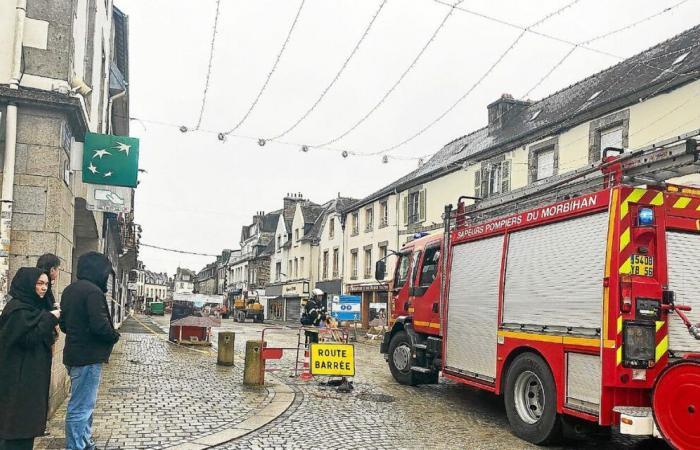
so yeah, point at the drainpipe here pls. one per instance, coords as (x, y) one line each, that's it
(110, 105)
(8, 178)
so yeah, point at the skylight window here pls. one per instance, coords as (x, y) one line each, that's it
(536, 113)
(596, 94)
(680, 58)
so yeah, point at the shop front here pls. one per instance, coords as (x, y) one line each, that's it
(375, 303)
(295, 294)
(332, 288)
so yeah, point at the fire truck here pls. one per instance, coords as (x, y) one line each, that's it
(569, 297)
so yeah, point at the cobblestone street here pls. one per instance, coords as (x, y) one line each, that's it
(158, 395)
(382, 414)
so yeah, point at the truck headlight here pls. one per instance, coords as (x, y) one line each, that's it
(638, 344)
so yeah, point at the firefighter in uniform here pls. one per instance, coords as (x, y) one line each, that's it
(314, 313)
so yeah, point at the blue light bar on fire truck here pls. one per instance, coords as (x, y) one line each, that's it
(645, 218)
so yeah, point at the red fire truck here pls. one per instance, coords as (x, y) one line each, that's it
(568, 297)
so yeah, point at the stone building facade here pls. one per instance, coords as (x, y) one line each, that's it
(59, 65)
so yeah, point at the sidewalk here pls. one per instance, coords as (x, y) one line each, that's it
(157, 395)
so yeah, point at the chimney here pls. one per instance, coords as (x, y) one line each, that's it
(289, 204)
(501, 108)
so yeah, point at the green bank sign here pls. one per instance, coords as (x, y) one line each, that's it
(110, 160)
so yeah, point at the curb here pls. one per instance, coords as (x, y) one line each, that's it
(281, 401)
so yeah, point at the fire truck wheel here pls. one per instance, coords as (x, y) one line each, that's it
(400, 359)
(531, 400)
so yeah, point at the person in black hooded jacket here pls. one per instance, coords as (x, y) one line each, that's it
(27, 332)
(90, 336)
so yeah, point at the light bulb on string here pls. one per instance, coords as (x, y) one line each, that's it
(183, 129)
(345, 153)
(262, 142)
(305, 148)
(221, 137)
(385, 159)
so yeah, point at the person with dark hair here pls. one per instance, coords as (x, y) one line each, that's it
(90, 336)
(50, 263)
(27, 332)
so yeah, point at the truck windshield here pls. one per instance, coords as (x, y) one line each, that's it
(402, 270)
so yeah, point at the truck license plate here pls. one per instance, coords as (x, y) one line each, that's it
(642, 265)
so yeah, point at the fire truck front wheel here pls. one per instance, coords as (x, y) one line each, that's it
(531, 400)
(400, 359)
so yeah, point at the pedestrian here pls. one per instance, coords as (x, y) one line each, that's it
(313, 314)
(50, 263)
(90, 336)
(27, 332)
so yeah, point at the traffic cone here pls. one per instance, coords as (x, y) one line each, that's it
(306, 373)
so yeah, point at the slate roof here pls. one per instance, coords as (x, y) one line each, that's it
(648, 73)
(335, 205)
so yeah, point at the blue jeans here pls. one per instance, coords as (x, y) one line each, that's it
(84, 382)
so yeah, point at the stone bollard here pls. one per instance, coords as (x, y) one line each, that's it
(254, 371)
(226, 341)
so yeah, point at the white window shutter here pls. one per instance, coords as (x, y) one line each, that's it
(405, 210)
(505, 176)
(421, 204)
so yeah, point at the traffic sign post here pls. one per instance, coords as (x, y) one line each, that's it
(348, 309)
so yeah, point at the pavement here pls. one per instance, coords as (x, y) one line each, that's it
(158, 395)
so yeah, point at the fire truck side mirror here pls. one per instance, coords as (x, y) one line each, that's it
(380, 270)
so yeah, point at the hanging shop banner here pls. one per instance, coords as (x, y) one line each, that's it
(113, 199)
(335, 360)
(110, 160)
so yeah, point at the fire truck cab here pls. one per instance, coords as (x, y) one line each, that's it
(574, 308)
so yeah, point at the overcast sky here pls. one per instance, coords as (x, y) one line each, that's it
(198, 192)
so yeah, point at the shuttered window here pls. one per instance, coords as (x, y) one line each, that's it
(545, 164)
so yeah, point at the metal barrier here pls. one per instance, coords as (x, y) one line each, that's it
(276, 353)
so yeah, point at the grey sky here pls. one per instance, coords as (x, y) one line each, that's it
(198, 192)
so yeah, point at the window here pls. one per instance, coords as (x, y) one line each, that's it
(368, 262)
(279, 243)
(382, 251)
(296, 235)
(301, 266)
(325, 265)
(383, 214)
(413, 207)
(369, 219)
(355, 223)
(296, 268)
(612, 137)
(430, 266)
(278, 271)
(353, 264)
(331, 228)
(401, 270)
(336, 256)
(414, 267)
(609, 131)
(493, 178)
(289, 269)
(545, 164)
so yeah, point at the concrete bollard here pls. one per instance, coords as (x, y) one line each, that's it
(254, 370)
(226, 341)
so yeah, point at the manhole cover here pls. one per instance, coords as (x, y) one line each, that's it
(377, 398)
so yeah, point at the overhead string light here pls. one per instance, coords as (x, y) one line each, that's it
(478, 82)
(209, 66)
(398, 81)
(336, 77)
(527, 29)
(269, 76)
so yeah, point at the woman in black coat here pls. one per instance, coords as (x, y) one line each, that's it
(27, 332)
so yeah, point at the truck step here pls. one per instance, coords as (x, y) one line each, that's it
(420, 369)
(634, 411)
(420, 346)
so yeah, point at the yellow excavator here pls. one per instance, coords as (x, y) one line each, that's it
(247, 308)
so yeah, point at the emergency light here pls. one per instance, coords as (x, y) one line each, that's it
(645, 217)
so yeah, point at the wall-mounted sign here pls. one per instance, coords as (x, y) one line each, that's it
(112, 199)
(110, 160)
